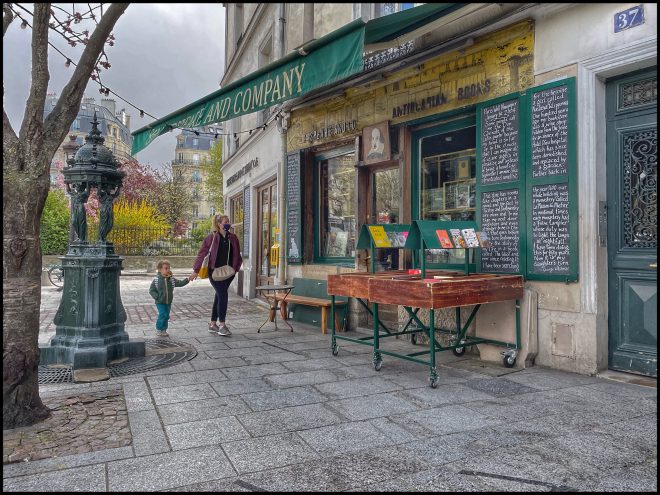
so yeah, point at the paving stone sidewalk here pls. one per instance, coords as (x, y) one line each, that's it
(275, 411)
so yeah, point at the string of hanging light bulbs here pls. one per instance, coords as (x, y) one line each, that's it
(105, 90)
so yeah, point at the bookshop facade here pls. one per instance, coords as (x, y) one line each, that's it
(488, 133)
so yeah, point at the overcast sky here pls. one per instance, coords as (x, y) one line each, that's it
(165, 56)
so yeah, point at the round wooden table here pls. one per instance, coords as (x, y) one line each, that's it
(273, 301)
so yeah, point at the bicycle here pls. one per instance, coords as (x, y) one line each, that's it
(56, 275)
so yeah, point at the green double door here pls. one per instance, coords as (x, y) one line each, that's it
(632, 221)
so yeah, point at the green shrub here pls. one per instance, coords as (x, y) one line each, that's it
(135, 226)
(202, 230)
(55, 223)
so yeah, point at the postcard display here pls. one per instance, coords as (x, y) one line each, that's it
(379, 236)
(429, 290)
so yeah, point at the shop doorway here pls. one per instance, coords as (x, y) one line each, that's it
(267, 222)
(632, 140)
(385, 208)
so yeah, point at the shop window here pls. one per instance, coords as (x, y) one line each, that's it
(336, 208)
(236, 215)
(447, 179)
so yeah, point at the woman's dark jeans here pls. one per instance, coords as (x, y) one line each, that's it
(221, 298)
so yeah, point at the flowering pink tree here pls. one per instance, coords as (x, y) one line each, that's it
(140, 182)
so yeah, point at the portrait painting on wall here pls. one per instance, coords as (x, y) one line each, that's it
(376, 143)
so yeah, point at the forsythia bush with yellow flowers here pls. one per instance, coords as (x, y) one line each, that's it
(136, 224)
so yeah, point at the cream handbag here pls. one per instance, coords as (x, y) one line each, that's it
(223, 272)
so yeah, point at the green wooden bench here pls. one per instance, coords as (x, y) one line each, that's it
(307, 299)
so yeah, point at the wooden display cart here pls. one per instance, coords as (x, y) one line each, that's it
(432, 290)
(356, 284)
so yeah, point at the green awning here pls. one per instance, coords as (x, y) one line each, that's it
(334, 57)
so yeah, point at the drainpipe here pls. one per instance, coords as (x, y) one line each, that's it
(281, 169)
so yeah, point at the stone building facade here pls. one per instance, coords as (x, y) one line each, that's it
(115, 127)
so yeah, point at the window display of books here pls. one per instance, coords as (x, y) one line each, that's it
(459, 194)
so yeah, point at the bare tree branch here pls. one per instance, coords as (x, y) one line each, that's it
(32, 127)
(9, 139)
(59, 120)
(7, 17)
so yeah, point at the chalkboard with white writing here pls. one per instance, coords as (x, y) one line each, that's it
(499, 143)
(499, 219)
(293, 210)
(549, 140)
(246, 222)
(550, 229)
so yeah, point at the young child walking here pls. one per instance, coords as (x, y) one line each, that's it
(162, 290)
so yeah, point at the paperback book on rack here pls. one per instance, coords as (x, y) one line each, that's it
(457, 238)
(443, 237)
(470, 237)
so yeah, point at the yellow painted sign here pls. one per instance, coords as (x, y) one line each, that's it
(496, 64)
(380, 237)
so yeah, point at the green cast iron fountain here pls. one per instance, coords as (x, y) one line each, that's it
(90, 319)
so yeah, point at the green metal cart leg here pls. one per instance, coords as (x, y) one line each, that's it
(335, 348)
(458, 351)
(433, 375)
(509, 356)
(377, 360)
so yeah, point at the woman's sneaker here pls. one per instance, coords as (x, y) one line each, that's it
(162, 333)
(213, 327)
(224, 330)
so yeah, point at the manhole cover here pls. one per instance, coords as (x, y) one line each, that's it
(59, 374)
(160, 354)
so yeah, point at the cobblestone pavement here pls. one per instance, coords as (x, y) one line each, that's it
(192, 301)
(78, 423)
(276, 411)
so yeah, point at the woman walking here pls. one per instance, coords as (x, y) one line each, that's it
(223, 249)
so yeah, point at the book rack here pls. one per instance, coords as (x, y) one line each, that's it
(437, 234)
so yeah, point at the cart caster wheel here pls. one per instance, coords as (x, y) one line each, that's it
(509, 362)
(459, 351)
(434, 383)
(335, 350)
(413, 339)
(378, 365)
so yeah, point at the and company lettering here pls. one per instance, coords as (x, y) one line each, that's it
(271, 89)
(327, 62)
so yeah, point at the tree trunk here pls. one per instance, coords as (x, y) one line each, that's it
(22, 196)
